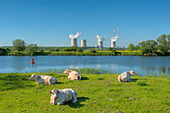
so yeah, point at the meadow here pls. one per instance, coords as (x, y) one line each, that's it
(96, 93)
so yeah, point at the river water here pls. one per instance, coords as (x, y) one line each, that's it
(117, 64)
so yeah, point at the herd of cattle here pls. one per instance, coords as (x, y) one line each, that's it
(59, 96)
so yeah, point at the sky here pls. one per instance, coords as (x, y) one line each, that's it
(49, 22)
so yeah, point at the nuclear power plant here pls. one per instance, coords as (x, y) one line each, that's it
(74, 42)
(113, 41)
(83, 43)
(100, 44)
(74, 38)
(113, 44)
(100, 40)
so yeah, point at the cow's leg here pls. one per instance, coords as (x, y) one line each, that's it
(74, 96)
(60, 102)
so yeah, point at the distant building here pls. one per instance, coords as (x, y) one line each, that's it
(74, 42)
(83, 43)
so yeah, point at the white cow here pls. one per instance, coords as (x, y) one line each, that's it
(73, 75)
(43, 79)
(125, 77)
(59, 96)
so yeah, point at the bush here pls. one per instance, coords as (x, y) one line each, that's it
(92, 51)
(51, 50)
(56, 49)
(2, 51)
(114, 51)
(69, 49)
(110, 49)
(41, 51)
(79, 50)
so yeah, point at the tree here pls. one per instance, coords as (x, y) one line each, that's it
(163, 42)
(18, 45)
(31, 49)
(110, 49)
(114, 51)
(131, 47)
(137, 47)
(2, 51)
(168, 41)
(148, 47)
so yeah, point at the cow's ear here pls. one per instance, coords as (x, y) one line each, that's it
(58, 91)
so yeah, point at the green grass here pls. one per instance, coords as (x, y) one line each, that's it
(96, 93)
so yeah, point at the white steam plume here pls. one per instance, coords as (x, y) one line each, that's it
(114, 38)
(77, 35)
(100, 38)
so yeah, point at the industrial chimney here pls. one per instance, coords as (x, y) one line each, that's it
(83, 43)
(113, 41)
(74, 38)
(100, 40)
(113, 44)
(100, 44)
(73, 42)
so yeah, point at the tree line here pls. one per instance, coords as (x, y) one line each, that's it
(160, 46)
(150, 47)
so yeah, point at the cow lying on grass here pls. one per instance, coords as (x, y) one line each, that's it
(73, 75)
(125, 77)
(59, 96)
(43, 79)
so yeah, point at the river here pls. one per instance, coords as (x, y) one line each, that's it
(117, 64)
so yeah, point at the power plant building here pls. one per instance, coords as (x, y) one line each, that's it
(83, 43)
(113, 44)
(74, 42)
(100, 44)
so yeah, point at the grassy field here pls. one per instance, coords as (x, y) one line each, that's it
(96, 93)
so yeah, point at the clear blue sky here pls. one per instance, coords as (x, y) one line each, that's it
(49, 22)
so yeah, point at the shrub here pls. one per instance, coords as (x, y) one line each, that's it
(114, 51)
(41, 50)
(92, 51)
(110, 49)
(56, 49)
(79, 50)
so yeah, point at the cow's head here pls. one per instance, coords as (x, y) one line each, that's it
(54, 94)
(66, 71)
(33, 77)
(133, 73)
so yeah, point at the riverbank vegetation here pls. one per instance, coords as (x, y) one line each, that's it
(96, 93)
(160, 47)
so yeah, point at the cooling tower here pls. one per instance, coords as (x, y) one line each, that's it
(113, 44)
(74, 42)
(100, 44)
(83, 43)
